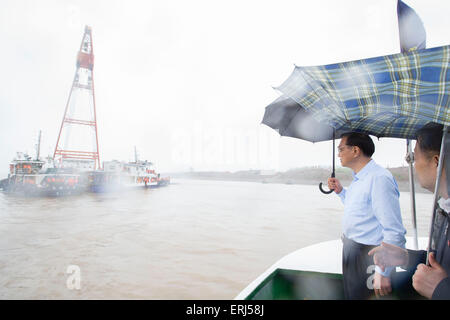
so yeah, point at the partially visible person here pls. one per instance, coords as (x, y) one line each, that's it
(431, 281)
(371, 215)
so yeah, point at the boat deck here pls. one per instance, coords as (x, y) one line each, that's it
(313, 272)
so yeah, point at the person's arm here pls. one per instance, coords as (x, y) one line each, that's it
(388, 255)
(442, 291)
(386, 207)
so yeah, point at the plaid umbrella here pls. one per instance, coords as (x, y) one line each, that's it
(388, 96)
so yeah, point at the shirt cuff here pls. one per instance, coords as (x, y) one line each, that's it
(386, 273)
(342, 194)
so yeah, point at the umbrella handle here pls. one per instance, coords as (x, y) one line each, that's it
(325, 191)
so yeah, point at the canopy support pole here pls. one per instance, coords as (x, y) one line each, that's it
(436, 190)
(410, 160)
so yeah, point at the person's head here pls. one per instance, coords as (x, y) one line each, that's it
(354, 148)
(426, 154)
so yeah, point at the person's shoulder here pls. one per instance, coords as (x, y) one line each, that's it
(379, 171)
(382, 176)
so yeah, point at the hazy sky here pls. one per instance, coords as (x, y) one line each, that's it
(187, 81)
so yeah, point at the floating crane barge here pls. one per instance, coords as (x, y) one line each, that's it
(75, 168)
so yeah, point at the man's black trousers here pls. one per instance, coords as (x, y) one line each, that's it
(357, 268)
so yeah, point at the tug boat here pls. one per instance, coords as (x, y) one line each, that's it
(34, 177)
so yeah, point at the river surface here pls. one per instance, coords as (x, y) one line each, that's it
(194, 239)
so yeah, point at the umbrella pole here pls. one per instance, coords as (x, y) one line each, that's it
(410, 160)
(436, 190)
(333, 174)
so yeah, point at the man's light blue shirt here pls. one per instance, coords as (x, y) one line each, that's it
(372, 209)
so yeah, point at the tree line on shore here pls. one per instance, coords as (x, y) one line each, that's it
(305, 175)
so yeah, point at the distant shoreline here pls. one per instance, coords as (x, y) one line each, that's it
(300, 176)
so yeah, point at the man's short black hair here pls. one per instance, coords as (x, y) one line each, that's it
(360, 140)
(429, 137)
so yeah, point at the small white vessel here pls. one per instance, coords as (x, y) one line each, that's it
(117, 175)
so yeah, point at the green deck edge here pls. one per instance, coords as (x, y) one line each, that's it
(280, 284)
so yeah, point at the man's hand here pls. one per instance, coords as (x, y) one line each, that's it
(389, 255)
(334, 184)
(381, 285)
(426, 279)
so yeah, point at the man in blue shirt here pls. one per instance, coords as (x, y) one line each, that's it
(371, 216)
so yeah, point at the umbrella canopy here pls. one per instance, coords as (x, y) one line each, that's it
(387, 96)
(291, 120)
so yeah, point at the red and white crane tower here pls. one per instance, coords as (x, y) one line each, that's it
(80, 150)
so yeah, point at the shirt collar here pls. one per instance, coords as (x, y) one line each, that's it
(364, 171)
